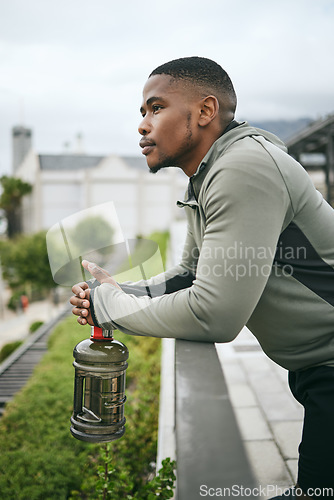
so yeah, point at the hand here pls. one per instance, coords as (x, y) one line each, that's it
(82, 304)
(100, 274)
(82, 292)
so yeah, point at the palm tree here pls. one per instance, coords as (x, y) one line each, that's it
(13, 190)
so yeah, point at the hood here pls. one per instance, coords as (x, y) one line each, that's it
(240, 132)
(217, 149)
(246, 130)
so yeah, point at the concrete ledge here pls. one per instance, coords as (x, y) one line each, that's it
(166, 431)
(209, 446)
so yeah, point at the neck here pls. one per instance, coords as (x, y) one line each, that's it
(189, 168)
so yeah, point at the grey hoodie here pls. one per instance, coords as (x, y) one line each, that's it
(259, 252)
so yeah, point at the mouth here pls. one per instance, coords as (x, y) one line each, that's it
(147, 146)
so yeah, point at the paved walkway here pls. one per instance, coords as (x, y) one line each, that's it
(15, 326)
(269, 418)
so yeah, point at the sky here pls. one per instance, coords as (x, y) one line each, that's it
(78, 66)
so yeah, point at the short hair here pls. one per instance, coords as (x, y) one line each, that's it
(201, 72)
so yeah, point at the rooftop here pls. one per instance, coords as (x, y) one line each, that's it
(313, 138)
(83, 161)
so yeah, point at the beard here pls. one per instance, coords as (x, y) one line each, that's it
(166, 161)
(156, 169)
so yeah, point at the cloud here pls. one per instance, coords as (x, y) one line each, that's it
(80, 65)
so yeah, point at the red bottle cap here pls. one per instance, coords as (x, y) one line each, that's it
(97, 333)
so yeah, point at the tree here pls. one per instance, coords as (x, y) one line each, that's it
(14, 189)
(25, 263)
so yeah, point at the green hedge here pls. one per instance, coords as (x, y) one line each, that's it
(8, 349)
(40, 459)
(35, 326)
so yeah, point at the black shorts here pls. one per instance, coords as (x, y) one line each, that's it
(314, 389)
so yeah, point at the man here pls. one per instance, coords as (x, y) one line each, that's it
(259, 249)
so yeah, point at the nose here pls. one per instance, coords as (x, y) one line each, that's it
(144, 126)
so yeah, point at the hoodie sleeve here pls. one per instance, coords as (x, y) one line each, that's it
(242, 207)
(176, 278)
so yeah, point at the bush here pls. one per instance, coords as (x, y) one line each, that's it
(7, 349)
(162, 239)
(110, 479)
(17, 256)
(35, 326)
(40, 458)
(14, 302)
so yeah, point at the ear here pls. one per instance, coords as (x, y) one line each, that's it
(209, 110)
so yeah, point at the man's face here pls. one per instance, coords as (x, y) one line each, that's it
(169, 126)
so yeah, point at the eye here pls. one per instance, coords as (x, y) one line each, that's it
(156, 107)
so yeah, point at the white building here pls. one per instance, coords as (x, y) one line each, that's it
(64, 184)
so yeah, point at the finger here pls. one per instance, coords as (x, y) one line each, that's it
(78, 311)
(96, 271)
(82, 321)
(78, 302)
(79, 289)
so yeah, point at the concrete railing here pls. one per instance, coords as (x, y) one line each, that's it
(197, 424)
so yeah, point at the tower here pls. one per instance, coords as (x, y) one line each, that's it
(22, 142)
